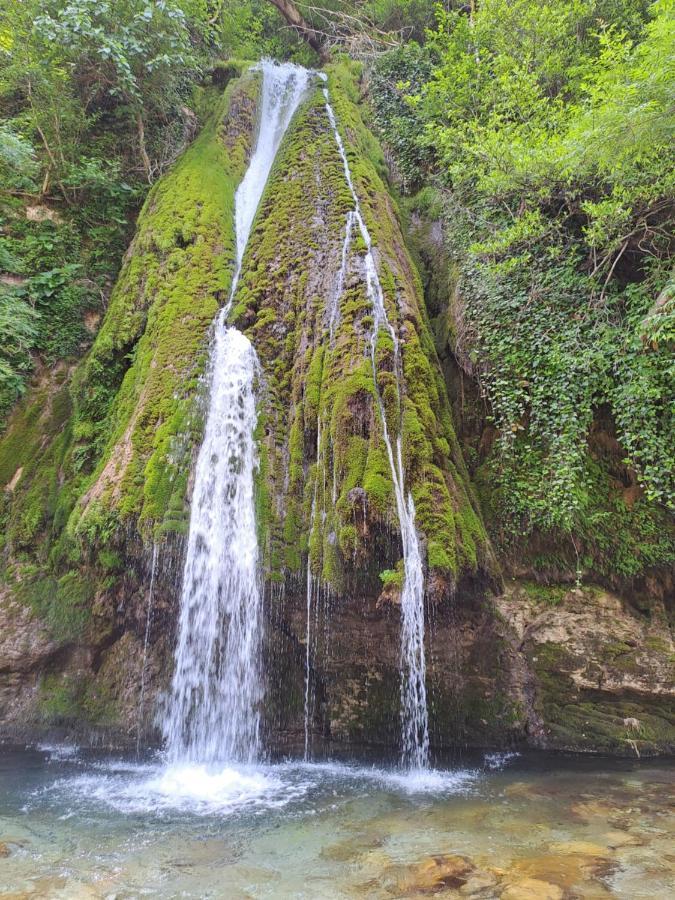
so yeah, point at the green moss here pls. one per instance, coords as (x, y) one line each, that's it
(586, 719)
(550, 595)
(317, 385)
(63, 603)
(71, 699)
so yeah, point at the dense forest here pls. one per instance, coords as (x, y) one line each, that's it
(537, 134)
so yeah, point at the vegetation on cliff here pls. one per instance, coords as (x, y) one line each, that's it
(325, 480)
(108, 444)
(545, 130)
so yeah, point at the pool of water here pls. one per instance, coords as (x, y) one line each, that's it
(78, 825)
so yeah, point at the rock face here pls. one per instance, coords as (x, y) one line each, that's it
(96, 468)
(604, 671)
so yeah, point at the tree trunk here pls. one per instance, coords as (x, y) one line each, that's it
(295, 19)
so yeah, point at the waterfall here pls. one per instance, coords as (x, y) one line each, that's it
(313, 594)
(214, 708)
(414, 712)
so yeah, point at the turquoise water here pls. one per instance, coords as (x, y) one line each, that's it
(77, 825)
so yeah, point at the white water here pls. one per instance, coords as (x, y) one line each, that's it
(334, 311)
(283, 88)
(414, 713)
(313, 596)
(214, 710)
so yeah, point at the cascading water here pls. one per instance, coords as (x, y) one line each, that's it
(216, 690)
(414, 713)
(312, 590)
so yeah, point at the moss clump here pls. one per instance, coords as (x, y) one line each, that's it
(63, 603)
(545, 594)
(73, 700)
(176, 274)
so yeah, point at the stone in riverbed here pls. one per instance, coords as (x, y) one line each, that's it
(617, 839)
(532, 889)
(478, 884)
(580, 848)
(567, 866)
(432, 875)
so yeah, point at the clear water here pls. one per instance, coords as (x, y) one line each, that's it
(414, 712)
(79, 826)
(214, 707)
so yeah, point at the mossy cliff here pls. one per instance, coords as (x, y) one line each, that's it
(95, 461)
(325, 485)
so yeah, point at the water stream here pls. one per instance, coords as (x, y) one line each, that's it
(77, 825)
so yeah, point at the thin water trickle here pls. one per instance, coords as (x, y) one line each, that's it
(214, 709)
(334, 309)
(414, 712)
(148, 620)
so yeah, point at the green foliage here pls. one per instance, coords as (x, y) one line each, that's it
(18, 335)
(94, 98)
(398, 77)
(392, 577)
(551, 125)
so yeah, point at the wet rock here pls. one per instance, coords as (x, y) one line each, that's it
(617, 839)
(567, 865)
(478, 885)
(433, 875)
(353, 847)
(594, 809)
(532, 889)
(579, 848)
(521, 789)
(4, 850)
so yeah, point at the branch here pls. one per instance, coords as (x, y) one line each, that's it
(295, 19)
(140, 127)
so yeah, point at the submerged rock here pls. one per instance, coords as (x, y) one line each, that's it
(531, 889)
(432, 875)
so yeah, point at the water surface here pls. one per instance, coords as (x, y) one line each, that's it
(83, 825)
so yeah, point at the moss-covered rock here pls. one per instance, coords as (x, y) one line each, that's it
(603, 671)
(326, 485)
